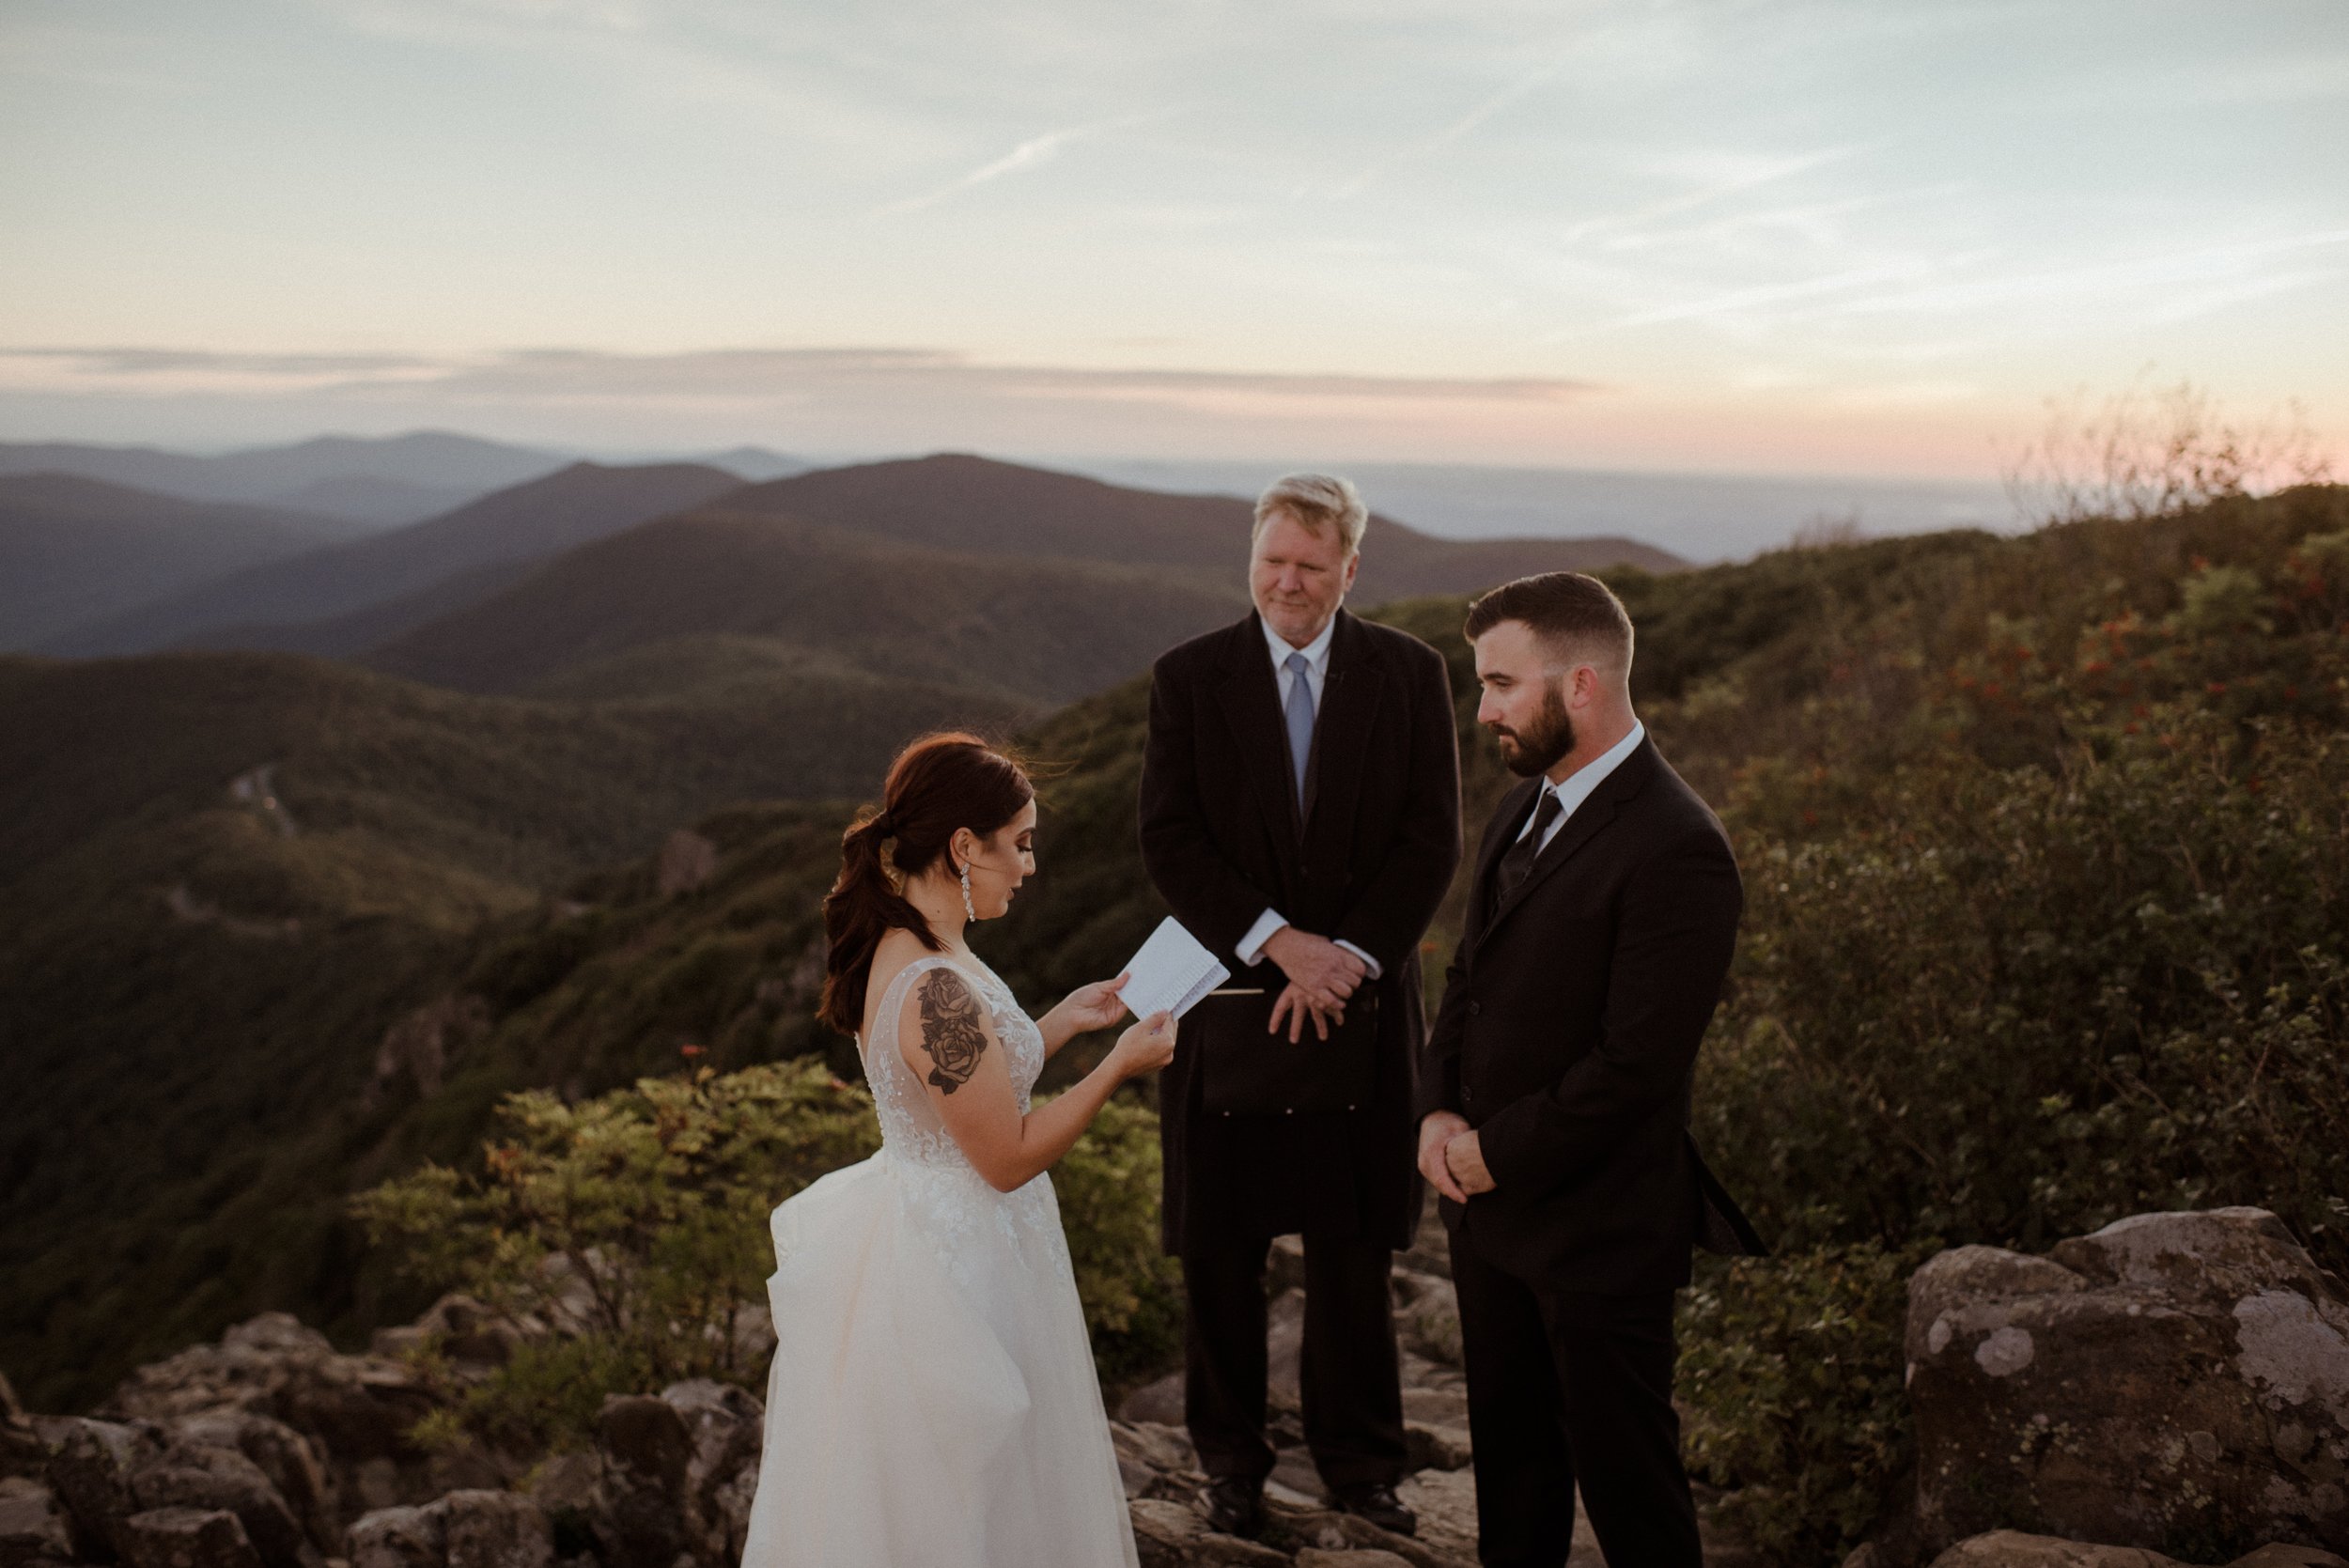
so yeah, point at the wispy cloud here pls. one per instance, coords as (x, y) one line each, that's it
(1032, 153)
(732, 374)
(1718, 176)
(1371, 173)
(2160, 281)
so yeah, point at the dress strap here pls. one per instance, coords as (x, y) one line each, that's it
(892, 1000)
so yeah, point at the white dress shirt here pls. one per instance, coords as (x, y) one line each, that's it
(1580, 786)
(1251, 947)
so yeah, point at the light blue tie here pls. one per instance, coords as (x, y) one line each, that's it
(1300, 721)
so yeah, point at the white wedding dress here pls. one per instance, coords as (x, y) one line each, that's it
(933, 1402)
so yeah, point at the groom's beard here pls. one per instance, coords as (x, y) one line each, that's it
(1548, 737)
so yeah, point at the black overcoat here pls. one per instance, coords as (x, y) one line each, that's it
(1367, 862)
(1568, 1033)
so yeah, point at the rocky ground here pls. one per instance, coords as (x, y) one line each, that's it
(2090, 1396)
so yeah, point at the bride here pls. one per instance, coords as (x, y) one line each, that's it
(933, 1402)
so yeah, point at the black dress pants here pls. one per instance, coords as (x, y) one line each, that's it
(1350, 1380)
(1564, 1388)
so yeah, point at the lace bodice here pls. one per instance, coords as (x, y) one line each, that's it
(909, 1122)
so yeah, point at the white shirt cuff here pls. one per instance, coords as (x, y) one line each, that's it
(1251, 946)
(1370, 963)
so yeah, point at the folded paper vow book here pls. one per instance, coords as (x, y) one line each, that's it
(1170, 972)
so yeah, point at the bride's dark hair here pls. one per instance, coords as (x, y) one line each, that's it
(938, 782)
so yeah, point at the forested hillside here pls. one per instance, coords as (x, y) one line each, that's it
(2045, 853)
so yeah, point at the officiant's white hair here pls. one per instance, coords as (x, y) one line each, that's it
(1318, 502)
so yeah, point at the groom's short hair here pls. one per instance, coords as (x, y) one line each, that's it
(1318, 502)
(1574, 616)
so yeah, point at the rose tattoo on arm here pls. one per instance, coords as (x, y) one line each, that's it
(952, 1034)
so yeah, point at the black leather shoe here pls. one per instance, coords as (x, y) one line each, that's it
(1376, 1501)
(1235, 1506)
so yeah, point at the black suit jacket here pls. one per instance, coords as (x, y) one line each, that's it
(1568, 1036)
(1367, 860)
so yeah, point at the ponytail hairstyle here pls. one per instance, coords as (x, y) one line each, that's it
(939, 784)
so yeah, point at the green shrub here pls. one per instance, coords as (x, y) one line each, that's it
(1791, 1368)
(1108, 1186)
(637, 1221)
(2011, 1006)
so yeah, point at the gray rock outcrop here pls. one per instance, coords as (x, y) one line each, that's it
(34, 1527)
(356, 1411)
(2008, 1548)
(186, 1538)
(2172, 1378)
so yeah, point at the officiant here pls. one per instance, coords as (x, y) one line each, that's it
(1301, 815)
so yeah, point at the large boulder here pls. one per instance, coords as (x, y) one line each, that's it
(2171, 1379)
(1427, 1316)
(400, 1537)
(32, 1524)
(472, 1528)
(2008, 1548)
(356, 1410)
(474, 1339)
(89, 1470)
(1172, 1535)
(725, 1428)
(21, 1451)
(186, 1538)
(291, 1460)
(647, 1452)
(188, 1475)
(486, 1529)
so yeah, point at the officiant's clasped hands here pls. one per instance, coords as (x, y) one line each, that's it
(1321, 976)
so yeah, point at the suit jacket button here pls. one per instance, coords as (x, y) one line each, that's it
(1474, 1008)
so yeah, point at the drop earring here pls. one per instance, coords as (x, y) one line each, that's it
(969, 911)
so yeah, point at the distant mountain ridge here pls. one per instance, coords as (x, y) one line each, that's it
(377, 481)
(432, 459)
(1048, 629)
(487, 596)
(527, 521)
(1042, 584)
(961, 501)
(73, 550)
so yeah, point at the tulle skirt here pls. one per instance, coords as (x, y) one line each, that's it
(933, 1402)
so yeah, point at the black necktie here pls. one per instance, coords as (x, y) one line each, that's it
(1519, 859)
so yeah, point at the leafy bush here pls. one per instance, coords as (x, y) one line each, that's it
(2016, 1005)
(2043, 930)
(1791, 1368)
(1108, 1186)
(635, 1224)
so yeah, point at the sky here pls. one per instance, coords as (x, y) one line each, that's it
(1711, 236)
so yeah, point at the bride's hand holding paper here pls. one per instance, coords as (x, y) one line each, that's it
(1099, 1005)
(1146, 1046)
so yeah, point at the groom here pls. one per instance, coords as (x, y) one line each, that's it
(1555, 1101)
(1300, 813)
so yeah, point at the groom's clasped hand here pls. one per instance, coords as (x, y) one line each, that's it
(1451, 1156)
